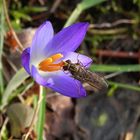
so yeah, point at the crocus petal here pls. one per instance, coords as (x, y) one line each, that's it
(41, 38)
(60, 82)
(67, 86)
(68, 39)
(25, 59)
(78, 58)
(38, 78)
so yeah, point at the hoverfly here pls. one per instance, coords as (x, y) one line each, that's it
(79, 72)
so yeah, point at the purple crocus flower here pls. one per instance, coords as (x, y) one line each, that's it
(47, 52)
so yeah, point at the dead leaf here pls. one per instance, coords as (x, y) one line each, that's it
(20, 117)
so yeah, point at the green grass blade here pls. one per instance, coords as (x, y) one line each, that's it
(1, 46)
(112, 90)
(74, 16)
(41, 117)
(33, 9)
(115, 68)
(85, 4)
(126, 86)
(17, 79)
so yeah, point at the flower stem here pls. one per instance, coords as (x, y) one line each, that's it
(41, 116)
(35, 113)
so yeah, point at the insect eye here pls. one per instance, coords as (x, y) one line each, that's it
(65, 68)
(68, 61)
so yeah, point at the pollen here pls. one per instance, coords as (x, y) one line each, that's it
(48, 63)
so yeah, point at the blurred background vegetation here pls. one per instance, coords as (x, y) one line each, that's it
(112, 41)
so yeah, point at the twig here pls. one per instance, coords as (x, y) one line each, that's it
(108, 31)
(115, 23)
(13, 66)
(112, 75)
(119, 54)
(10, 26)
(55, 6)
(41, 2)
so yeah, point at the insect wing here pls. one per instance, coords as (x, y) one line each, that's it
(96, 81)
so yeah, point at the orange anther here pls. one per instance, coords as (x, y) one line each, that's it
(61, 64)
(56, 57)
(47, 64)
(51, 68)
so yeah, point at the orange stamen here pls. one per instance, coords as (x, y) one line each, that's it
(47, 64)
(56, 57)
(51, 68)
(61, 64)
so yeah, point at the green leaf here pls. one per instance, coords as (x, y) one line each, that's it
(115, 68)
(17, 79)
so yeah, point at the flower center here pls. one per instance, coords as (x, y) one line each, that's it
(48, 63)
